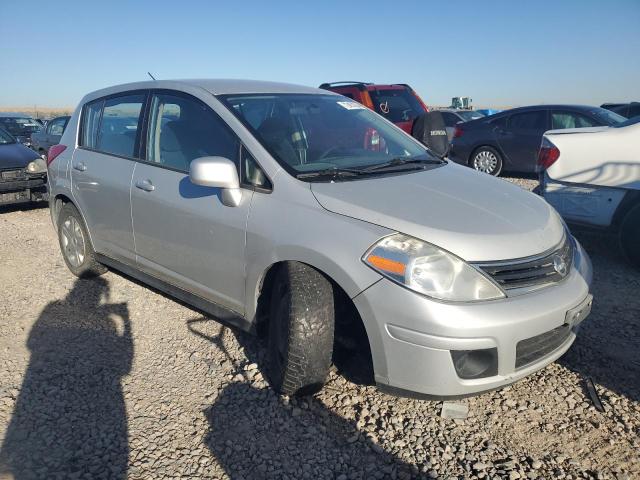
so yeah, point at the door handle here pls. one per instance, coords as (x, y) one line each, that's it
(81, 167)
(145, 185)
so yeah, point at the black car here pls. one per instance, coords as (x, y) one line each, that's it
(23, 174)
(510, 140)
(628, 110)
(20, 126)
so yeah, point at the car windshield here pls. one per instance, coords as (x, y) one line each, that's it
(20, 125)
(6, 138)
(607, 116)
(469, 115)
(397, 104)
(312, 133)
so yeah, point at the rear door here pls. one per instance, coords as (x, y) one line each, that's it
(520, 138)
(102, 168)
(184, 234)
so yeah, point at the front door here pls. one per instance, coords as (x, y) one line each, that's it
(184, 235)
(101, 170)
(521, 137)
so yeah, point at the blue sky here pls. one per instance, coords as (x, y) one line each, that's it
(498, 52)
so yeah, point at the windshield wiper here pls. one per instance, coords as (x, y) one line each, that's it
(331, 172)
(401, 161)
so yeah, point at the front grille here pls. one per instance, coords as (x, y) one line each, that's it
(523, 275)
(12, 175)
(532, 349)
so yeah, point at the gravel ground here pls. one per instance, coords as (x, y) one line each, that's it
(109, 379)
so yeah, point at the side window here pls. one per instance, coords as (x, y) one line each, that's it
(182, 129)
(90, 123)
(252, 174)
(56, 126)
(119, 125)
(528, 121)
(561, 120)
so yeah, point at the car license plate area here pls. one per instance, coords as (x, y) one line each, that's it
(15, 197)
(579, 313)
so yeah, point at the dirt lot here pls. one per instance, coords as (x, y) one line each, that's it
(108, 379)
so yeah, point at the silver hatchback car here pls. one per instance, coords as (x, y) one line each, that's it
(299, 213)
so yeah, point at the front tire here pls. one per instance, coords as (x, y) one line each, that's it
(301, 329)
(487, 160)
(75, 244)
(630, 236)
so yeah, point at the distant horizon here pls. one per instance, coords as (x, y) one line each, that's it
(499, 53)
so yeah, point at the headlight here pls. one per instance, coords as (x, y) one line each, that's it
(37, 166)
(429, 270)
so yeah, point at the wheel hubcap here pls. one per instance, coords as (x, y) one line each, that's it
(485, 161)
(73, 244)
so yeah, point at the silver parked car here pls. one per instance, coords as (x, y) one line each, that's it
(296, 212)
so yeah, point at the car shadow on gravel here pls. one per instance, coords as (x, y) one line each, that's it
(69, 419)
(23, 207)
(255, 434)
(606, 348)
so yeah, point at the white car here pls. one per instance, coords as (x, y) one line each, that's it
(592, 177)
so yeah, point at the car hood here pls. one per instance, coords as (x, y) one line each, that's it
(15, 155)
(471, 214)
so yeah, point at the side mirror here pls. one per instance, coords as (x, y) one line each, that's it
(218, 172)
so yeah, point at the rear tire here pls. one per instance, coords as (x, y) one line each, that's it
(301, 329)
(630, 236)
(75, 244)
(487, 160)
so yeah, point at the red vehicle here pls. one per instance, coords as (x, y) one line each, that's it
(398, 102)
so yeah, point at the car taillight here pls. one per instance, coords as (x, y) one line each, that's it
(457, 131)
(547, 155)
(53, 152)
(366, 100)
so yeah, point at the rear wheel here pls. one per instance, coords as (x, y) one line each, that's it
(487, 160)
(630, 236)
(301, 329)
(75, 245)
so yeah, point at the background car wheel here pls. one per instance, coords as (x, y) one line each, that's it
(301, 329)
(630, 236)
(487, 160)
(75, 245)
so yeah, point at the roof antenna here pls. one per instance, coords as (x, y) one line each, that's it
(152, 77)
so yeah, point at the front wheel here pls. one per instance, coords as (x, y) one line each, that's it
(630, 236)
(487, 160)
(301, 328)
(75, 245)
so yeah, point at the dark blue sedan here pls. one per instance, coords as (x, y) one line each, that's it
(23, 174)
(510, 140)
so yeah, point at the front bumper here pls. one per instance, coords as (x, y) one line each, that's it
(411, 336)
(28, 189)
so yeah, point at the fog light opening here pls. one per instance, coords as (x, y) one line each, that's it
(470, 364)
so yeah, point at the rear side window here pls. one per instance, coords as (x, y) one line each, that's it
(529, 121)
(119, 125)
(561, 120)
(182, 129)
(90, 123)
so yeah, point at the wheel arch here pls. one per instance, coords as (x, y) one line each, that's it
(348, 320)
(55, 207)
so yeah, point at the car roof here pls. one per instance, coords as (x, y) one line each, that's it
(545, 107)
(213, 86)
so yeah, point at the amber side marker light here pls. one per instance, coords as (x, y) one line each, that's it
(386, 265)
